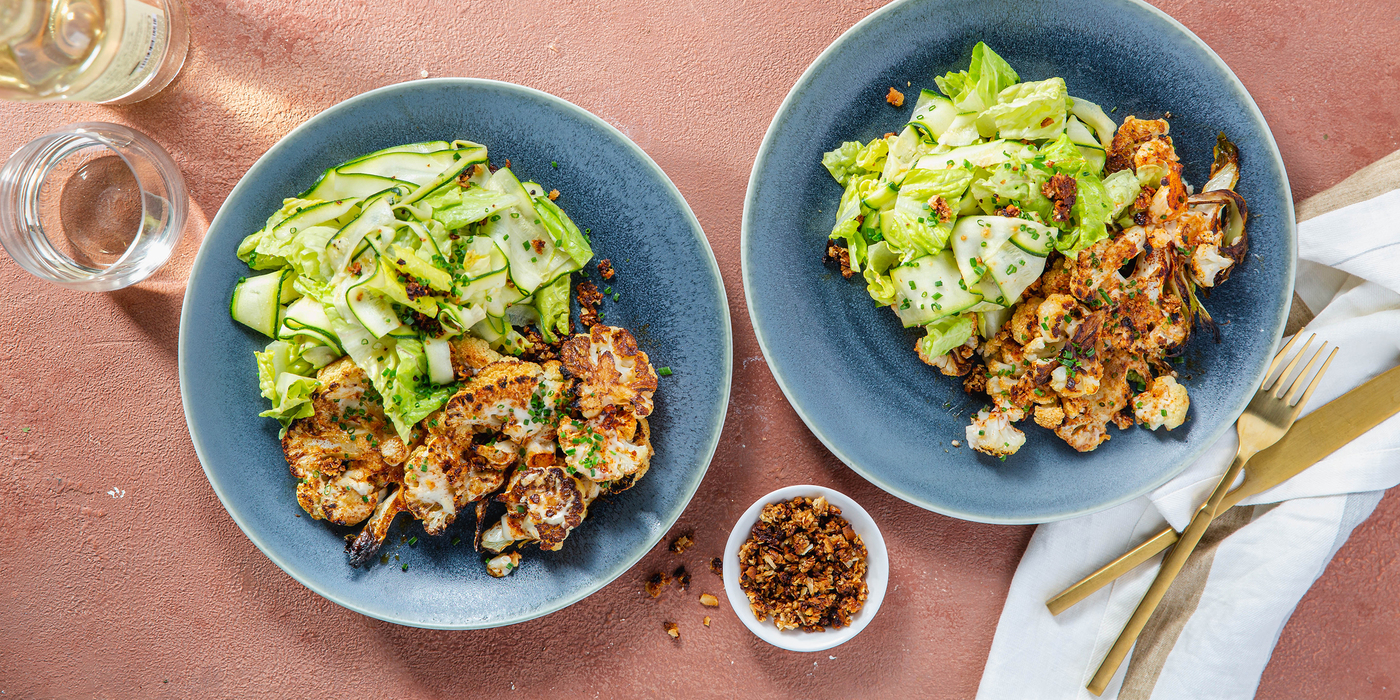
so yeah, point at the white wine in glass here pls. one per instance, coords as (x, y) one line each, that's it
(109, 51)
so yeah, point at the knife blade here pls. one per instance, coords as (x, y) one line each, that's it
(1311, 439)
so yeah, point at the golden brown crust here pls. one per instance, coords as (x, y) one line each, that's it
(345, 453)
(552, 502)
(682, 543)
(1133, 133)
(941, 209)
(976, 382)
(471, 355)
(611, 371)
(1049, 416)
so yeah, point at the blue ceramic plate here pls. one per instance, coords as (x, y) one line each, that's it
(638, 219)
(849, 368)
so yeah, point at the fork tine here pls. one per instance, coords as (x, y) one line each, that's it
(1279, 383)
(1298, 382)
(1282, 353)
(1317, 379)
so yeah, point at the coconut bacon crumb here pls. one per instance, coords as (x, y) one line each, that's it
(804, 566)
(682, 543)
(656, 584)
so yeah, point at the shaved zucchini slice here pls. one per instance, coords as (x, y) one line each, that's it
(933, 114)
(977, 238)
(961, 131)
(519, 232)
(982, 155)
(256, 301)
(1014, 270)
(307, 317)
(417, 168)
(929, 288)
(335, 185)
(420, 147)
(1093, 115)
(1034, 238)
(439, 353)
(373, 310)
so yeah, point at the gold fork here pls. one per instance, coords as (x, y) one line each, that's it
(1269, 415)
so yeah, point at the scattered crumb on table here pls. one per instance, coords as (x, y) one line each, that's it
(682, 543)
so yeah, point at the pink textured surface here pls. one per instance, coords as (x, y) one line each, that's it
(125, 577)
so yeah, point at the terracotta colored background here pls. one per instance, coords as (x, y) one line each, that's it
(125, 578)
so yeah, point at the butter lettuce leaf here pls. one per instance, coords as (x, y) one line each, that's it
(285, 379)
(976, 88)
(947, 333)
(552, 303)
(913, 228)
(841, 162)
(1031, 110)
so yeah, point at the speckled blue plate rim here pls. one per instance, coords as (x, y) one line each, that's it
(746, 226)
(203, 255)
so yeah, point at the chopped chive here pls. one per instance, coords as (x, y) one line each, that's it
(664, 371)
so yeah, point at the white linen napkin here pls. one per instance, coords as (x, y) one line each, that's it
(1348, 264)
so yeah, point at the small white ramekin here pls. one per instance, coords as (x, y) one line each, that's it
(877, 575)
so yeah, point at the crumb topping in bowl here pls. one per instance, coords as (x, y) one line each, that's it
(804, 566)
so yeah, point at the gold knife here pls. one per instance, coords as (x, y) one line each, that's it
(1312, 438)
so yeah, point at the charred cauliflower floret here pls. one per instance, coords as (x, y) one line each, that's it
(1164, 404)
(376, 530)
(546, 406)
(1207, 263)
(957, 362)
(992, 433)
(497, 398)
(1049, 416)
(1133, 133)
(606, 448)
(610, 370)
(542, 504)
(503, 565)
(440, 479)
(347, 497)
(471, 355)
(345, 453)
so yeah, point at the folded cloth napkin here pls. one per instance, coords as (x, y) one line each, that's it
(1215, 631)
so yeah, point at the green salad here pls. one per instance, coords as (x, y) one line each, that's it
(388, 257)
(950, 220)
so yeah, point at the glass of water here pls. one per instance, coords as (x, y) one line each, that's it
(93, 207)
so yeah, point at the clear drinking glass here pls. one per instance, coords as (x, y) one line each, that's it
(92, 206)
